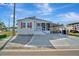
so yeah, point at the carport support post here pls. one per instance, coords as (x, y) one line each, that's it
(13, 19)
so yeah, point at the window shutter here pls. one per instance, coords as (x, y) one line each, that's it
(30, 24)
(21, 24)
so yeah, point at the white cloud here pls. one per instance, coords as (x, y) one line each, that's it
(64, 6)
(2, 4)
(24, 11)
(44, 9)
(21, 10)
(69, 17)
(6, 4)
(11, 4)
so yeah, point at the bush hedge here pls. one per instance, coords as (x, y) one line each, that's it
(3, 36)
(74, 31)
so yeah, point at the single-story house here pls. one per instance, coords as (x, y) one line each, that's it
(33, 25)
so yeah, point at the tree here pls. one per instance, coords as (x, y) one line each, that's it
(2, 26)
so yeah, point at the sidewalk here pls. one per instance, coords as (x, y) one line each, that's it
(2, 42)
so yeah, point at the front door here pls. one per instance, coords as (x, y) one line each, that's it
(43, 26)
(38, 27)
(48, 26)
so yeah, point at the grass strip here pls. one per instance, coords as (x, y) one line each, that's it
(74, 34)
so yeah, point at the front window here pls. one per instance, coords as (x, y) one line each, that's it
(29, 25)
(38, 24)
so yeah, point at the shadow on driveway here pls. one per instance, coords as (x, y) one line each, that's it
(22, 39)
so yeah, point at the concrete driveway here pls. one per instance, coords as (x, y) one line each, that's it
(44, 40)
(22, 39)
(18, 41)
(66, 42)
(41, 41)
(58, 41)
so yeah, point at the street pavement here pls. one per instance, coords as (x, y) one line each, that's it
(2, 43)
(41, 52)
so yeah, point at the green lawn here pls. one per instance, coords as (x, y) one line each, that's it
(4, 35)
(74, 34)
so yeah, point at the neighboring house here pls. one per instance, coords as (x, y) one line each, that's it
(73, 26)
(2, 27)
(56, 28)
(33, 25)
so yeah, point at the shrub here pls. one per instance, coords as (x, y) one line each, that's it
(74, 31)
(3, 36)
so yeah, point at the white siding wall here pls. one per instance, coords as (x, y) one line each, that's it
(29, 30)
(77, 27)
(72, 27)
(41, 21)
(39, 31)
(25, 30)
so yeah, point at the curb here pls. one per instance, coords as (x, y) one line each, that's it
(28, 50)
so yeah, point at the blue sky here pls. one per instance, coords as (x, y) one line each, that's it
(62, 13)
